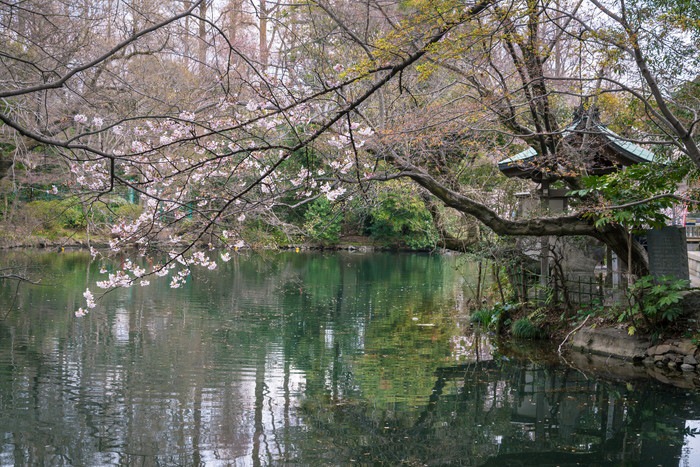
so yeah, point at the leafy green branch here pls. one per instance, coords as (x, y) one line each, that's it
(636, 196)
(653, 303)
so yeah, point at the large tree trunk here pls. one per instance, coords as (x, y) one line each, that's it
(447, 240)
(203, 44)
(616, 237)
(264, 53)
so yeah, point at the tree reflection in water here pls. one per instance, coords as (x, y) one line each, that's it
(501, 412)
(305, 360)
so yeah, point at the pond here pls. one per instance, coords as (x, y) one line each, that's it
(304, 359)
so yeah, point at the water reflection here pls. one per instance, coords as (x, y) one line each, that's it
(309, 360)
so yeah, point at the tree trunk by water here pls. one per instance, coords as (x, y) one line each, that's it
(614, 236)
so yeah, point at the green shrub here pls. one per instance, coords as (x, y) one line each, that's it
(401, 219)
(260, 234)
(127, 211)
(322, 223)
(653, 302)
(483, 316)
(66, 213)
(69, 213)
(493, 318)
(524, 328)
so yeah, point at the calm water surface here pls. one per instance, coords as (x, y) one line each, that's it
(304, 359)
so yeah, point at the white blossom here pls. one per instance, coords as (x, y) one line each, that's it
(89, 298)
(188, 116)
(120, 279)
(332, 195)
(161, 272)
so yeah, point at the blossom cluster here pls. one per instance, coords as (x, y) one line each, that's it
(191, 166)
(90, 304)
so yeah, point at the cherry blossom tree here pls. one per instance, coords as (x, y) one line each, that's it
(219, 112)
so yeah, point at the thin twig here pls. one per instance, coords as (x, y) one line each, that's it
(18, 278)
(14, 300)
(571, 365)
(572, 331)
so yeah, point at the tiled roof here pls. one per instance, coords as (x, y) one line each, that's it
(525, 155)
(630, 149)
(517, 165)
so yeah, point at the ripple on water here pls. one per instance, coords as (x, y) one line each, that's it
(304, 360)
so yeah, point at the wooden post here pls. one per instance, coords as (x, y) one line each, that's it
(544, 252)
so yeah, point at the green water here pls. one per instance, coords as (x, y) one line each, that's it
(304, 359)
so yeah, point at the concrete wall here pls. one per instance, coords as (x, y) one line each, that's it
(694, 268)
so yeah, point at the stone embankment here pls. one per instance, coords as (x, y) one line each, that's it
(675, 354)
(673, 361)
(610, 342)
(613, 352)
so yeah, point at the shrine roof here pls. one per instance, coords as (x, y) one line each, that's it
(522, 163)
